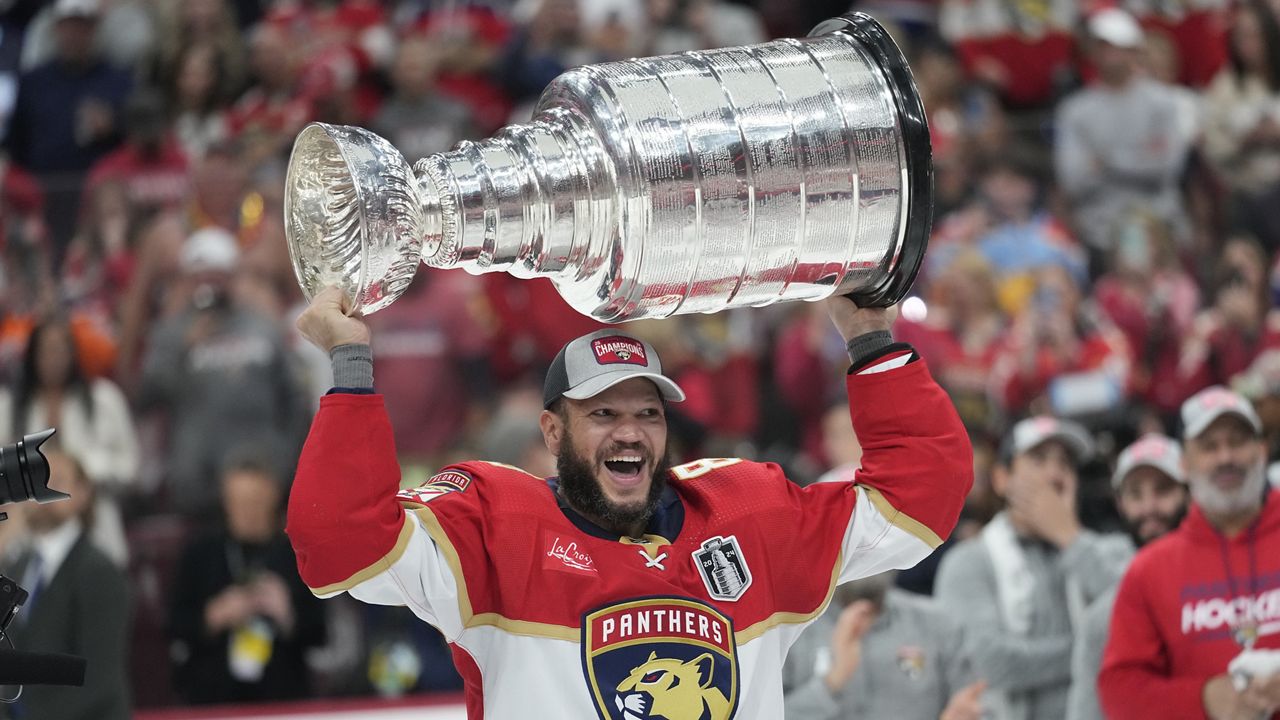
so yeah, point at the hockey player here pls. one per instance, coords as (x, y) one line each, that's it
(623, 588)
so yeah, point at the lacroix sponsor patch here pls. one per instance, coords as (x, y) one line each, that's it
(616, 349)
(563, 553)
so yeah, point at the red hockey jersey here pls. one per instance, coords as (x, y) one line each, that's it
(549, 621)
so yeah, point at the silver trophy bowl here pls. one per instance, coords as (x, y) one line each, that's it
(790, 170)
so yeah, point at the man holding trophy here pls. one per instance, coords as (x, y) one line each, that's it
(625, 588)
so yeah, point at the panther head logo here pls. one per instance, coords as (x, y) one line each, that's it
(671, 689)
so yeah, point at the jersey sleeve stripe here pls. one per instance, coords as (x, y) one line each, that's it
(901, 520)
(382, 565)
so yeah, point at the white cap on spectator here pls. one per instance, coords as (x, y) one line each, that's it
(1034, 431)
(77, 8)
(210, 250)
(1201, 409)
(1115, 27)
(1152, 450)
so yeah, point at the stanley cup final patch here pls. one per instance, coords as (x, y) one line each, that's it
(660, 657)
(724, 571)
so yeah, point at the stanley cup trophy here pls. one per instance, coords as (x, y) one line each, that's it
(789, 170)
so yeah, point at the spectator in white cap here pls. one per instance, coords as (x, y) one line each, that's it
(222, 373)
(1208, 592)
(1121, 142)
(1151, 496)
(1021, 586)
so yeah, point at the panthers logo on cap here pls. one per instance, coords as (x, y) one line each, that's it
(661, 657)
(618, 349)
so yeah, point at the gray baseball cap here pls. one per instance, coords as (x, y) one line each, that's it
(1201, 409)
(1151, 450)
(1039, 429)
(593, 363)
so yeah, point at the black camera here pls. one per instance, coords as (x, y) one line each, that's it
(24, 475)
(24, 471)
(12, 598)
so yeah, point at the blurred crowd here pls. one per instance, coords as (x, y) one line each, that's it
(1105, 240)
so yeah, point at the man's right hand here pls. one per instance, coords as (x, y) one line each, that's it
(327, 324)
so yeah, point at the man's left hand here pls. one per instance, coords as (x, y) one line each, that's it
(853, 321)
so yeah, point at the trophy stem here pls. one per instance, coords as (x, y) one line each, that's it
(527, 201)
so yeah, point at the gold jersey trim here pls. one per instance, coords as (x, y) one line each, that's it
(901, 520)
(382, 565)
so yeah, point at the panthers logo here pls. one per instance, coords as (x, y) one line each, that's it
(661, 658)
(673, 690)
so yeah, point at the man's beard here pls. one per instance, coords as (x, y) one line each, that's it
(1230, 502)
(1134, 527)
(581, 487)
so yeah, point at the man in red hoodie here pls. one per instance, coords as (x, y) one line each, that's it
(1196, 598)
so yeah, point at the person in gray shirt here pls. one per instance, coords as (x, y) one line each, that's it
(1121, 144)
(418, 119)
(1151, 495)
(1020, 586)
(221, 372)
(880, 652)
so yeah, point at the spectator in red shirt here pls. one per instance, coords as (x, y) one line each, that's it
(1194, 599)
(960, 335)
(101, 257)
(1023, 50)
(150, 163)
(1153, 301)
(1062, 356)
(470, 40)
(269, 115)
(1226, 337)
(531, 323)
(1197, 29)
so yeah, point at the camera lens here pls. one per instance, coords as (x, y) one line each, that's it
(24, 471)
